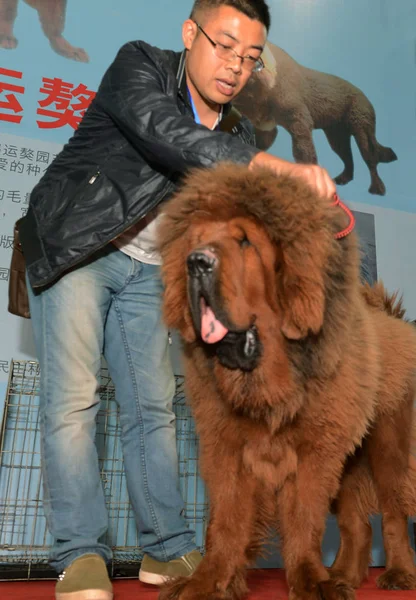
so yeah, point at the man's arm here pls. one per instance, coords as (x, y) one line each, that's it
(314, 175)
(132, 93)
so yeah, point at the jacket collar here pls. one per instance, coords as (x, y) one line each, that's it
(181, 77)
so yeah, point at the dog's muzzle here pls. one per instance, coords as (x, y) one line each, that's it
(201, 263)
(235, 349)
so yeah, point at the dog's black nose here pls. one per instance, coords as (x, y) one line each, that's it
(200, 263)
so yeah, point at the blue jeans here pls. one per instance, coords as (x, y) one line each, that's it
(111, 306)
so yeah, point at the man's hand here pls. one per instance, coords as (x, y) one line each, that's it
(316, 177)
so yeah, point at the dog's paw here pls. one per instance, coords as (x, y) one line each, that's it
(174, 590)
(334, 589)
(191, 588)
(343, 179)
(9, 42)
(354, 579)
(397, 579)
(378, 188)
(64, 48)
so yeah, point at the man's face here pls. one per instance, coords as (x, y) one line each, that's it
(216, 80)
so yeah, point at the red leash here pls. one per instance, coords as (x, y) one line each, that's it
(351, 224)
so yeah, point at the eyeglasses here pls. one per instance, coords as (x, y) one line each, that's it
(254, 65)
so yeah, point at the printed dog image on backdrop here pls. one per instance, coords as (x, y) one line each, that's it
(301, 382)
(52, 19)
(300, 100)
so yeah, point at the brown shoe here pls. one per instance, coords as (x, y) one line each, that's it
(85, 579)
(157, 573)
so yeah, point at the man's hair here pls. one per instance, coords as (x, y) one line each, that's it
(254, 9)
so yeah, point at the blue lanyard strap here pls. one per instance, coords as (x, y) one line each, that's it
(196, 116)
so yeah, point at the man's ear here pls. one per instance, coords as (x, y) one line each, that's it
(189, 31)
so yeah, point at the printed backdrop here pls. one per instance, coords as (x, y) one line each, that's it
(339, 87)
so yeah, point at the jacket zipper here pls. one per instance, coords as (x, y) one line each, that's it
(94, 178)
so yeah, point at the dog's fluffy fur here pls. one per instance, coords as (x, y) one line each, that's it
(307, 402)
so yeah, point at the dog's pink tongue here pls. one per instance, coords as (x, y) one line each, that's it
(212, 330)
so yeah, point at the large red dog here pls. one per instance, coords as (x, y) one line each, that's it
(301, 383)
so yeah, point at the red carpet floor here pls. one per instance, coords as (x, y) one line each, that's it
(268, 584)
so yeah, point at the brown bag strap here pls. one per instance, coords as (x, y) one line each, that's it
(18, 296)
(16, 237)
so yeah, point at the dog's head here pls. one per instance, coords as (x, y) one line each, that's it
(247, 256)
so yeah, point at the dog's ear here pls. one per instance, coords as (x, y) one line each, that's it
(303, 292)
(175, 296)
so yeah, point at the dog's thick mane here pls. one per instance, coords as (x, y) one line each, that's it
(299, 222)
(231, 190)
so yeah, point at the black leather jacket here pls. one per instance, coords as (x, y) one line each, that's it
(136, 140)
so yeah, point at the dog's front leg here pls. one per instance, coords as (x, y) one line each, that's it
(8, 13)
(52, 14)
(300, 128)
(303, 505)
(231, 528)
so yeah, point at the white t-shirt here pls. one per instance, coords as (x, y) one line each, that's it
(139, 241)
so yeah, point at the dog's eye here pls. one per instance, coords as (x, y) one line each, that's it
(244, 242)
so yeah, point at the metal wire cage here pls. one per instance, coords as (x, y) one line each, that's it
(24, 540)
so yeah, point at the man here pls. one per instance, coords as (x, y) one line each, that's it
(94, 284)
